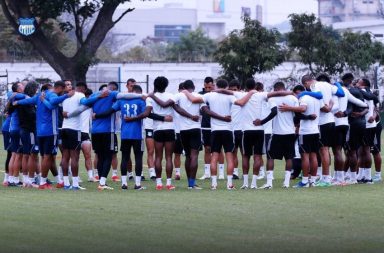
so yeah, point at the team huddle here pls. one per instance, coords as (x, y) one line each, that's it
(228, 121)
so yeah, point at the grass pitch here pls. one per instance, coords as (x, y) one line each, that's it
(336, 219)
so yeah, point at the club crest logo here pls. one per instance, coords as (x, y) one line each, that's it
(27, 26)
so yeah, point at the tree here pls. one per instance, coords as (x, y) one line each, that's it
(316, 45)
(254, 49)
(193, 46)
(74, 66)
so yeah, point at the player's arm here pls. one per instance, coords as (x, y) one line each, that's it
(81, 108)
(242, 101)
(314, 94)
(271, 115)
(104, 114)
(224, 91)
(184, 113)
(214, 115)
(300, 116)
(359, 114)
(352, 99)
(287, 108)
(145, 114)
(279, 93)
(27, 101)
(157, 117)
(129, 95)
(368, 95)
(55, 100)
(192, 98)
(94, 97)
(338, 92)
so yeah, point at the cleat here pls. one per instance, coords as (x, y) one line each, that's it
(130, 178)
(142, 178)
(19, 184)
(139, 188)
(204, 177)
(92, 180)
(34, 185)
(261, 174)
(153, 178)
(124, 187)
(244, 187)
(351, 182)
(49, 181)
(285, 186)
(195, 187)
(301, 185)
(266, 187)
(117, 179)
(45, 186)
(170, 187)
(220, 177)
(231, 187)
(235, 177)
(377, 179)
(78, 188)
(159, 187)
(366, 181)
(11, 184)
(213, 187)
(254, 187)
(104, 187)
(323, 184)
(97, 178)
(59, 185)
(177, 177)
(67, 187)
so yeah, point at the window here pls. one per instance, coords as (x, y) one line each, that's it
(171, 33)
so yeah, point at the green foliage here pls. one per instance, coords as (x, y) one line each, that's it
(194, 46)
(254, 49)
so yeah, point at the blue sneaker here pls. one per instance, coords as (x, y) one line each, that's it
(77, 188)
(67, 187)
(301, 185)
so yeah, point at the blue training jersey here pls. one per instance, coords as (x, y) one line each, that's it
(131, 108)
(46, 112)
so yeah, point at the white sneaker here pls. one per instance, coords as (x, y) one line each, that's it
(80, 181)
(350, 182)
(285, 186)
(376, 179)
(261, 175)
(221, 177)
(254, 187)
(204, 177)
(244, 187)
(266, 187)
(231, 187)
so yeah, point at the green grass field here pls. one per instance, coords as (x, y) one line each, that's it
(337, 219)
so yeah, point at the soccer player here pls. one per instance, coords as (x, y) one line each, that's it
(6, 142)
(178, 151)
(150, 146)
(282, 143)
(47, 128)
(265, 111)
(376, 149)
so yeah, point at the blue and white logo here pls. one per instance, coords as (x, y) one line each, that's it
(26, 26)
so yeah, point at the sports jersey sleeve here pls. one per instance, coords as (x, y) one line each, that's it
(206, 98)
(177, 98)
(91, 100)
(55, 100)
(149, 102)
(29, 101)
(272, 102)
(121, 95)
(337, 90)
(303, 101)
(116, 106)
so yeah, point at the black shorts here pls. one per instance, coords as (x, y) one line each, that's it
(71, 139)
(48, 145)
(59, 137)
(341, 135)
(376, 148)
(164, 135)
(104, 143)
(6, 140)
(253, 142)
(238, 134)
(85, 137)
(222, 139)
(190, 139)
(29, 142)
(128, 144)
(16, 145)
(355, 137)
(327, 135)
(267, 140)
(369, 136)
(206, 137)
(282, 146)
(149, 133)
(309, 143)
(178, 146)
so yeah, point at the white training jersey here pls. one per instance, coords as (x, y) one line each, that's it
(236, 112)
(194, 109)
(371, 108)
(148, 123)
(157, 109)
(85, 118)
(265, 111)
(220, 104)
(252, 110)
(283, 122)
(328, 90)
(69, 106)
(176, 119)
(313, 107)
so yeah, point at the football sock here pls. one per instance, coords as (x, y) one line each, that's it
(304, 180)
(191, 182)
(102, 181)
(229, 180)
(221, 169)
(66, 181)
(367, 173)
(158, 181)
(90, 174)
(269, 177)
(287, 177)
(245, 179)
(214, 180)
(236, 171)
(207, 169)
(254, 180)
(75, 181)
(138, 180)
(169, 181)
(124, 180)
(43, 180)
(114, 172)
(177, 171)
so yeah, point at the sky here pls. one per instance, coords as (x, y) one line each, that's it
(277, 10)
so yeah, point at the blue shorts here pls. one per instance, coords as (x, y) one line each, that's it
(48, 145)
(6, 140)
(16, 145)
(29, 142)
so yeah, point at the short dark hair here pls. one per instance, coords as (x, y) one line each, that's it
(259, 86)
(160, 83)
(31, 88)
(181, 86)
(298, 88)
(208, 79)
(102, 87)
(131, 80)
(222, 83)
(59, 84)
(88, 92)
(15, 85)
(234, 83)
(250, 84)
(189, 85)
(82, 84)
(114, 83)
(347, 76)
(323, 77)
(279, 86)
(46, 86)
(137, 88)
(366, 82)
(306, 78)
